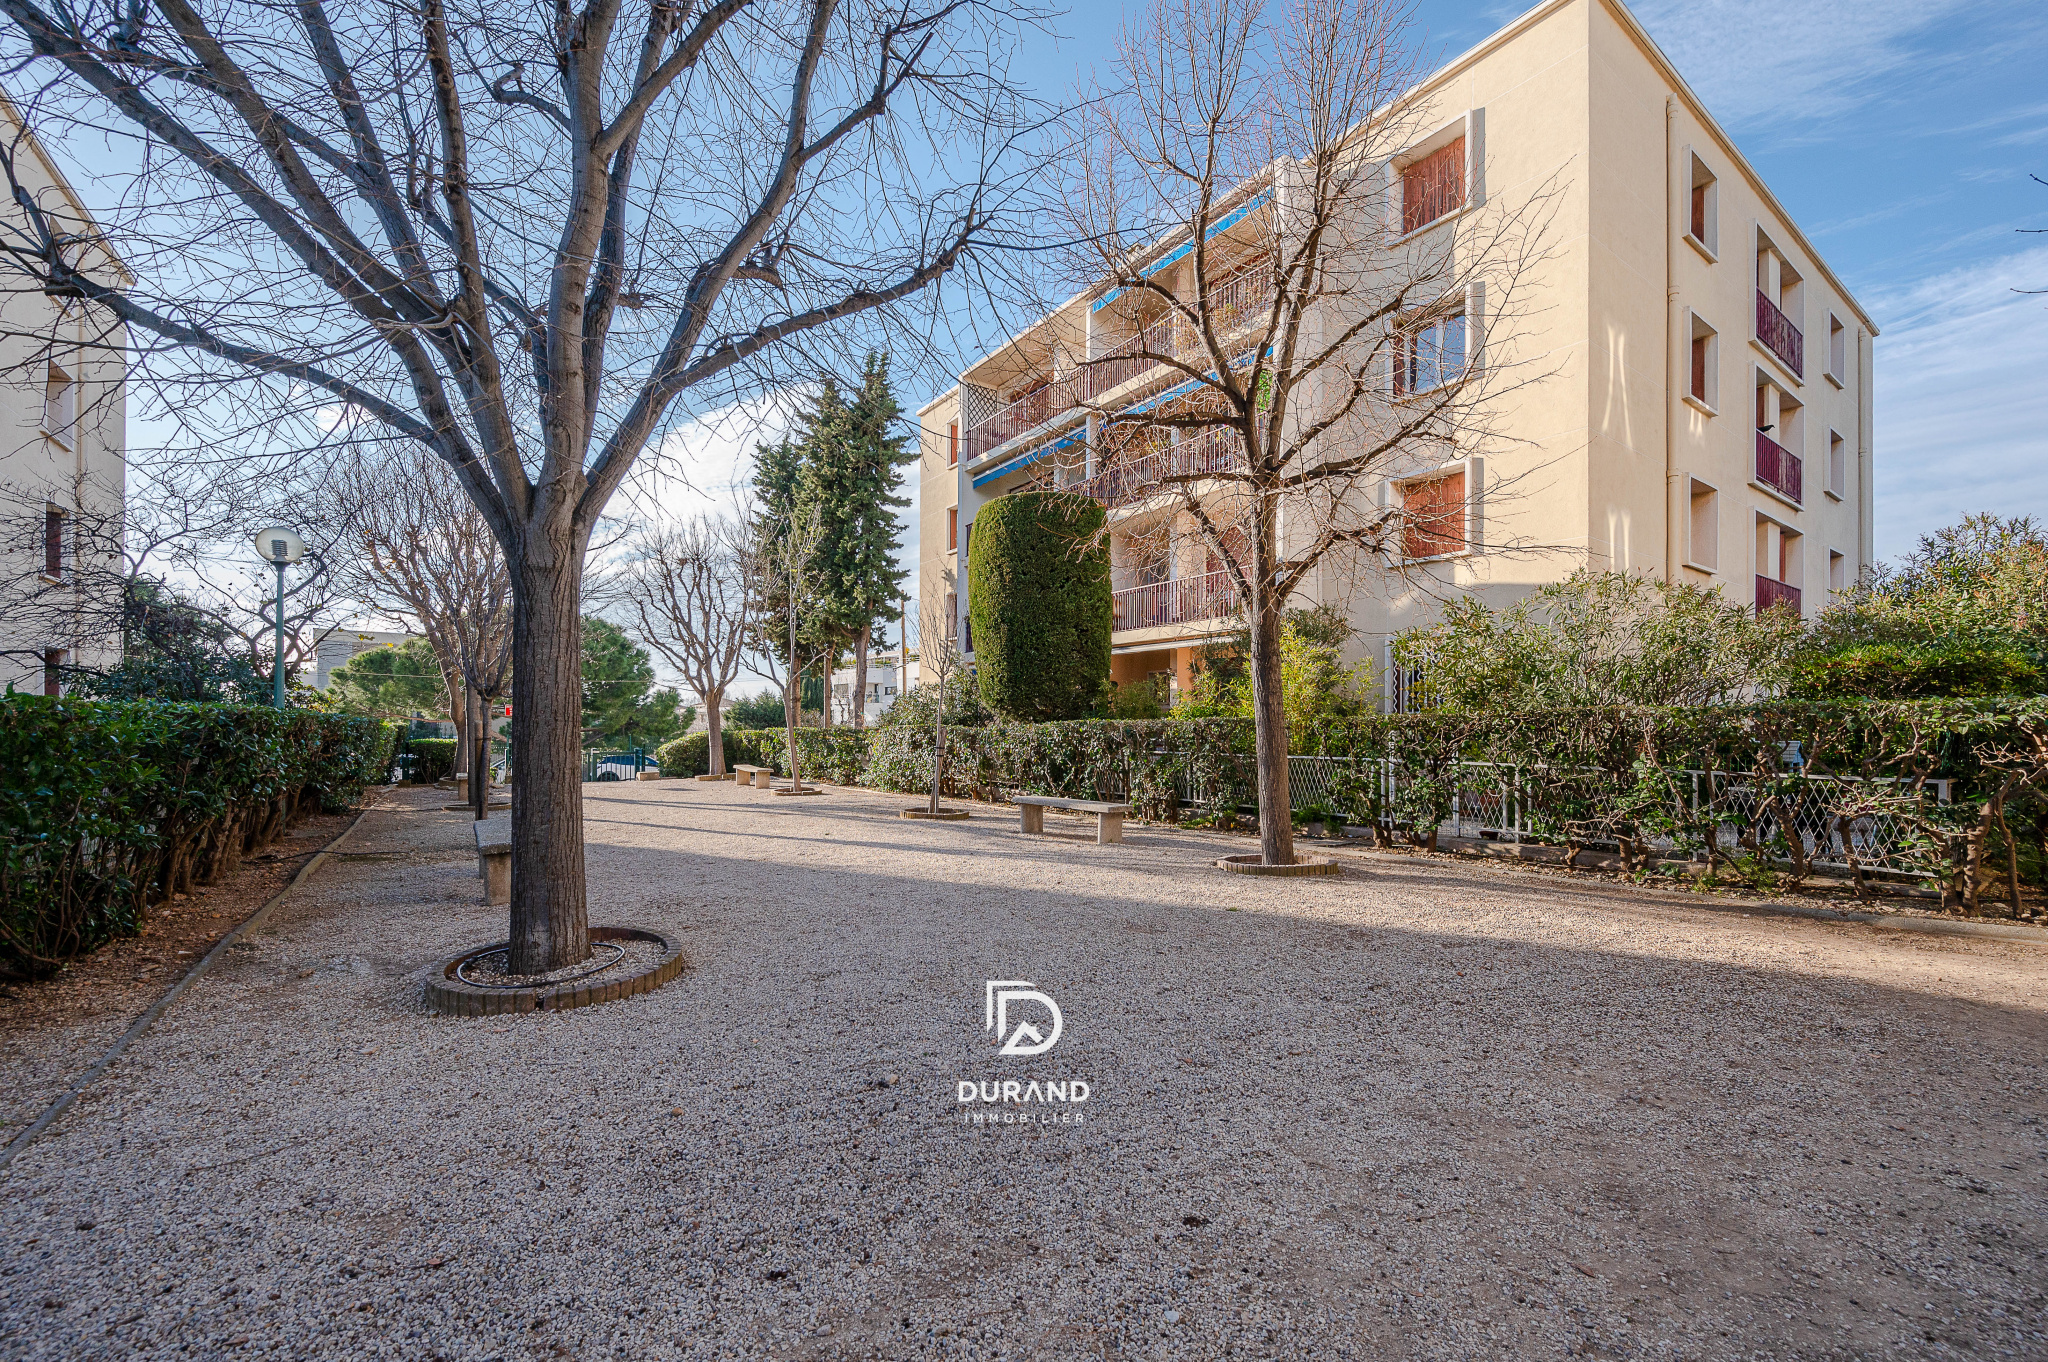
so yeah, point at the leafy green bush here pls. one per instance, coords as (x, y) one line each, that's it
(756, 711)
(433, 759)
(108, 807)
(690, 755)
(914, 708)
(1900, 671)
(1039, 601)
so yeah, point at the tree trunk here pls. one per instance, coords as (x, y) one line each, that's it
(714, 730)
(550, 918)
(458, 714)
(1269, 718)
(480, 748)
(939, 743)
(860, 675)
(793, 700)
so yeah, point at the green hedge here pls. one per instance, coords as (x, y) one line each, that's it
(109, 807)
(690, 755)
(1722, 784)
(433, 759)
(1039, 600)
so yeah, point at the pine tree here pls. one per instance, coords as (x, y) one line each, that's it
(873, 453)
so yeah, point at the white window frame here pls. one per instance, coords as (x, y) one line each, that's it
(1474, 469)
(1474, 312)
(1838, 336)
(1471, 125)
(1710, 405)
(1835, 556)
(1696, 165)
(1693, 559)
(64, 433)
(1835, 481)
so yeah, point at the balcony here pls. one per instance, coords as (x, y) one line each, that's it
(1233, 304)
(1779, 336)
(1184, 601)
(1213, 451)
(1779, 469)
(1771, 594)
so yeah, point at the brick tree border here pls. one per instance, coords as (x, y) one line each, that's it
(451, 996)
(1307, 865)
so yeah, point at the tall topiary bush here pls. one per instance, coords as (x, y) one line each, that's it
(1039, 605)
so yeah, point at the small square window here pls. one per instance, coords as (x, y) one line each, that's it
(60, 405)
(1838, 571)
(952, 528)
(1429, 353)
(1838, 465)
(1838, 350)
(1434, 512)
(1433, 185)
(1703, 383)
(952, 444)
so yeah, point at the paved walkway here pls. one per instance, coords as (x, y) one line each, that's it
(1423, 1110)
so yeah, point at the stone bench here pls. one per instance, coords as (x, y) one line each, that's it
(494, 858)
(757, 776)
(1109, 818)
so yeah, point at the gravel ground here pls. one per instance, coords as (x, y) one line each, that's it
(1421, 1110)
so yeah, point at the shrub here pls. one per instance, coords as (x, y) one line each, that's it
(913, 708)
(756, 711)
(690, 755)
(1039, 601)
(1898, 671)
(109, 807)
(433, 759)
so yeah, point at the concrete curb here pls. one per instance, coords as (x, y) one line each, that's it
(452, 997)
(1250, 865)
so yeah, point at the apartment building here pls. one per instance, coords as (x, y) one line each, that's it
(1704, 409)
(63, 452)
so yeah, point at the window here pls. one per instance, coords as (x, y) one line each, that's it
(60, 406)
(952, 444)
(1703, 380)
(1838, 570)
(1433, 185)
(952, 528)
(1703, 545)
(1838, 465)
(952, 616)
(1434, 511)
(53, 671)
(53, 542)
(1780, 304)
(1838, 350)
(1429, 353)
(966, 542)
(1702, 209)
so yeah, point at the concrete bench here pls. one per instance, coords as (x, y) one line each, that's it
(1109, 818)
(494, 858)
(758, 776)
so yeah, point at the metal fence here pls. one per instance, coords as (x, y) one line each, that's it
(616, 765)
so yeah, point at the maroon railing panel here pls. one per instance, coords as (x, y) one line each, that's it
(1779, 336)
(1779, 468)
(1771, 594)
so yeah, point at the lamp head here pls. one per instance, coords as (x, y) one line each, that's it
(279, 545)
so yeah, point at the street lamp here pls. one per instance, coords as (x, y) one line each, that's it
(280, 548)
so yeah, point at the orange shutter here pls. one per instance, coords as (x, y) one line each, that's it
(1436, 516)
(1433, 186)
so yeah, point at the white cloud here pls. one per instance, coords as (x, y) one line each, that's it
(1962, 413)
(1753, 60)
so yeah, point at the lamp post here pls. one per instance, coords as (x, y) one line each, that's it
(280, 548)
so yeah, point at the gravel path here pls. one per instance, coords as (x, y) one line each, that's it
(1421, 1110)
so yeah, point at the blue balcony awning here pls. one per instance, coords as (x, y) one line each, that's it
(1031, 456)
(1222, 224)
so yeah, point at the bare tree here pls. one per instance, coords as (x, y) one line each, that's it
(692, 588)
(938, 651)
(527, 239)
(1313, 340)
(416, 547)
(789, 637)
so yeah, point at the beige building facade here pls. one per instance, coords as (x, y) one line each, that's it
(63, 454)
(1703, 411)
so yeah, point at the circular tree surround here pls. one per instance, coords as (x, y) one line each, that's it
(1252, 865)
(456, 997)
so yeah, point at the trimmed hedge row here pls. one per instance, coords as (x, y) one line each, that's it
(1748, 789)
(690, 755)
(107, 808)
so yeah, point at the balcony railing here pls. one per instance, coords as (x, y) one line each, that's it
(1210, 596)
(1213, 451)
(1779, 336)
(1779, 469)
(1233, 304)
(1771, 594)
